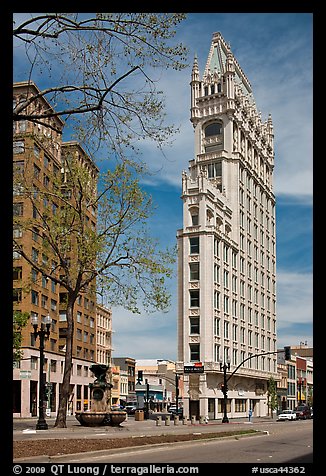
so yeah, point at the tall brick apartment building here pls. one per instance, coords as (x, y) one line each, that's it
(37, 154)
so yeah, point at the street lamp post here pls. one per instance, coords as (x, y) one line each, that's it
(43, 332)
(147, 400)
(225, 367)
(177, 393)
(300, 387)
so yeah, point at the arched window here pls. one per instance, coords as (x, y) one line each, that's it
(213, 129)
(194, 213)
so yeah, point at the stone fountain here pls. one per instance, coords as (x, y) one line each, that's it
(100, 412)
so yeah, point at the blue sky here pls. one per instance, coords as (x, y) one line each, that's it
(275, 52)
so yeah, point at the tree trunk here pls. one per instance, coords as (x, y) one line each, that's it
(65, 386)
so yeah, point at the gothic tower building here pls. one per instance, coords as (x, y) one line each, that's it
(226, 248)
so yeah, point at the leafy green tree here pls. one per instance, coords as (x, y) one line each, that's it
(272, 395)
(119, 255)
(20, 320)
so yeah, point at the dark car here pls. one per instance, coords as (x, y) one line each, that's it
(303, 412)
(173, 410)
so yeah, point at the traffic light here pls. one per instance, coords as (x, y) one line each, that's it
(287, 353)
(140, 375)
(224, 388)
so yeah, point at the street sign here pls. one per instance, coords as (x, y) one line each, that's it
(25, 374)
(195, 368)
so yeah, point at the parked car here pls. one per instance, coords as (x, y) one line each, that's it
(303, 412)
(174, 411)
(130, 409)
(287, 415)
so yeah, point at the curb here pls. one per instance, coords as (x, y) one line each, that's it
(69, 458)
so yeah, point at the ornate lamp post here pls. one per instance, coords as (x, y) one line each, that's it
(300, 389)
(43, 332)
(225, 367)
(147, 400)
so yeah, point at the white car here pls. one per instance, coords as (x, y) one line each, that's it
(287, 415)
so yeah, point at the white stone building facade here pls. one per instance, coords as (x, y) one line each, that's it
(227, 246)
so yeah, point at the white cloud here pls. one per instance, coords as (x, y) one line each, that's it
(144, 336)
(294, 308)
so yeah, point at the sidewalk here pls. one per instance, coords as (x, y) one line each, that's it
(25, 428)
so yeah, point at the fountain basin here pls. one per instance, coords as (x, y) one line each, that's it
(117, 417)
(90, 418)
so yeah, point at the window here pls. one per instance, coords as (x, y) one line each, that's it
(34, 275)
(46, 162)
(44, 301)
(213, 129)
(234, 333)
(34, 297)
(46, 181)
(226, 330)
(18, 146)
(216, 353)
(217, 322)
(44, 282)
(37, 151)
(17, 272)
(63, 297)
(194, 271)
(36, 171)
(53, 365)
(194, 325)
(53, 286)
(214, 170)
(194, 216)
(17, 295)
(234, 259)
(34, 362)
(18, 209)
(226, 304)
(226, 279)
(216, 273)
(194, 298)
(62, 316)
(194, 245)
(194, 352)
(17, 232)
(216, 300)
(226, 253)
